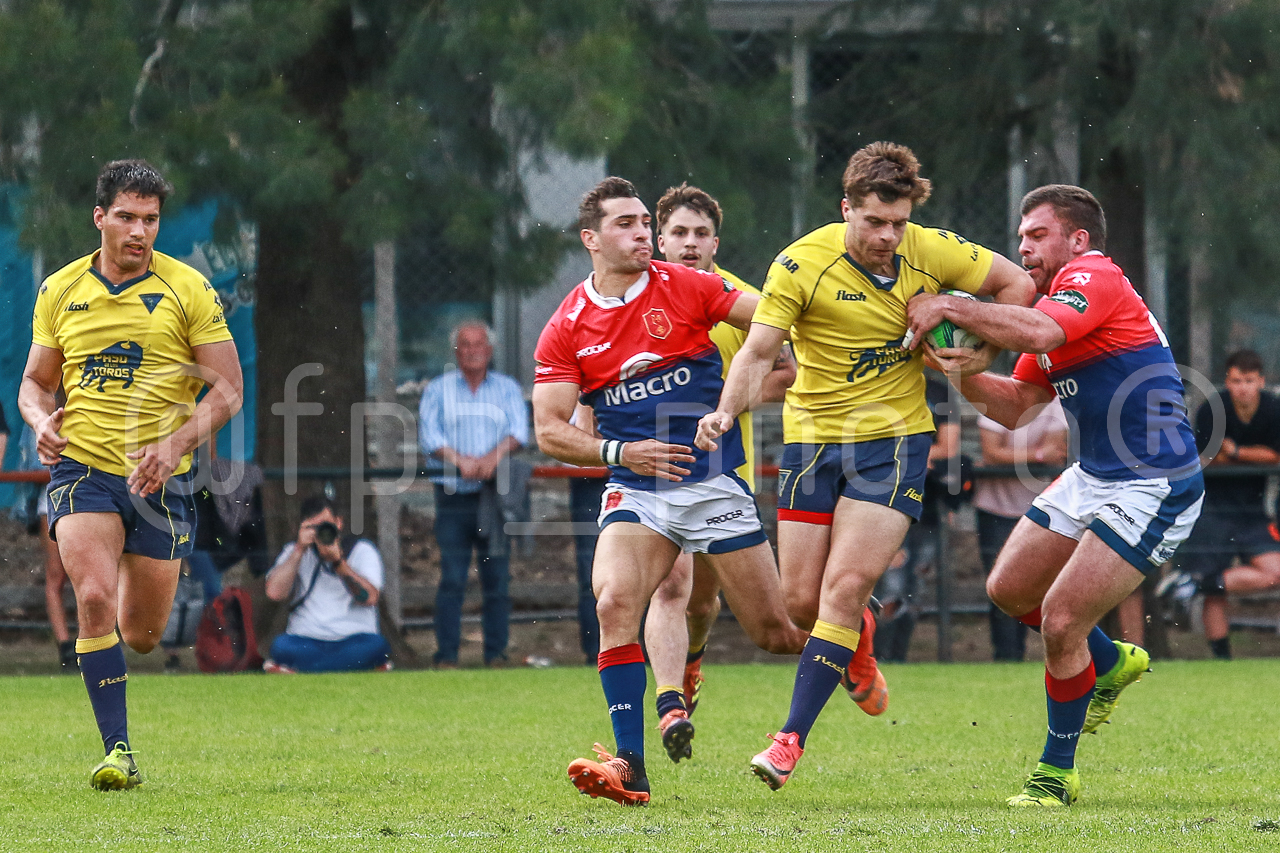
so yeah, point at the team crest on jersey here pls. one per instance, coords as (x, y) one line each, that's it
(115, 363)
(655, 320)
(151, 300)
(878, 359)
(1073, 299)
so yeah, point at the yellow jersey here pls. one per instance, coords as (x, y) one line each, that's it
(126, 351)
(854, 380)
(729, 339)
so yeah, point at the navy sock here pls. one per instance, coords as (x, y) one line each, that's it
(1068, 703)
(823, 661)
(105, 676)
(623, 677)
(669, 699)
(1104, 652)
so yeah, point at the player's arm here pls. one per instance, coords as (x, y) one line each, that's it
(38, 401)
(553, 406)
(774, 389)
(284, 573)
(744, 308)
(1002, 398)
(1008, 323)
(218, 365)
(743, 385)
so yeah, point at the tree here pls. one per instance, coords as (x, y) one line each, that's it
(332, 124)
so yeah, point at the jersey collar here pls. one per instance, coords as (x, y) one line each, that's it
(612, 301)
(872, 277)
(115, 289)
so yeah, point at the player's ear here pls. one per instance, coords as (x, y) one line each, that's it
(589, 239)
(98, 215)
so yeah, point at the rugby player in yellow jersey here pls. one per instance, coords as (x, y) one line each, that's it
(131, 336)
(688, 227)
(856, 424)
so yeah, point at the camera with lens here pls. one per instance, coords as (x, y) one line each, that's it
(326, 533)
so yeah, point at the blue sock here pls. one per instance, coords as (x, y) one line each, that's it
(670, 699)
(623, 677)
(103, 668)
(1104, 652)
(1068, 703)
(822, 664)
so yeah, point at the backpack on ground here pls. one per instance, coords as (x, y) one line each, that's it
(225, 639)
(184, 617)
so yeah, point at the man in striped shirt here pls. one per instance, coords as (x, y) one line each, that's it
(471, 418)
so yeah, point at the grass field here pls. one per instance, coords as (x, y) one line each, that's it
(475, 760)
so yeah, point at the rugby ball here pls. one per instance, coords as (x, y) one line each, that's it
(947, 335)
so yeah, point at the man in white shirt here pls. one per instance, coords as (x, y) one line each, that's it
(332, 584)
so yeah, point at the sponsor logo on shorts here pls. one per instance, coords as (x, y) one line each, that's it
(913, 494)
(595, 349)
(612, 501)
(1118, 511)
(184, 539)
(1073, 299)
(728, 516)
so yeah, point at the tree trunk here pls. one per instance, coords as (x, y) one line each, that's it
(309, 311)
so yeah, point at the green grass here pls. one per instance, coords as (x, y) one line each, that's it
(475, 760)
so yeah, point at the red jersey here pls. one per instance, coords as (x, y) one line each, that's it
(645, 362)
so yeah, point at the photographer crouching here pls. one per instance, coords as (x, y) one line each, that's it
(331, 583)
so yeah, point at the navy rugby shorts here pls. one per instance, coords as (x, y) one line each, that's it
(161, 526)
(887, 471)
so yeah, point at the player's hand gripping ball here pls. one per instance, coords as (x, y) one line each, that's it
(947, 335)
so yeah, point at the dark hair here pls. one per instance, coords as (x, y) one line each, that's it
(130, 176)
(887, 169)
(1245, 361)
(591, 210)
(1075, 207)
(697, 200)
(314, 505)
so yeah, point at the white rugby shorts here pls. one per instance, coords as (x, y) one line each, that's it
(715, 516)
(1143, 521)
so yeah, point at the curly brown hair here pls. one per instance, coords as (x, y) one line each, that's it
(889, 170)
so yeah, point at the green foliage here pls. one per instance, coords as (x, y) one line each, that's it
(385, 116)
(475, 760)
(1183, 91)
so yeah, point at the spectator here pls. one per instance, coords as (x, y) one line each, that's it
(332, 584)
(1234, 522)
(471, 418)
(1001, 501)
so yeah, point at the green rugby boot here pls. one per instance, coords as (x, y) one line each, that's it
(1048, 786)
(117, 771)
(1134, 661)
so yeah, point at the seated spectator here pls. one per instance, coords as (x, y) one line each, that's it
(332, 583)
(1000, 501)
(1234, 521)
